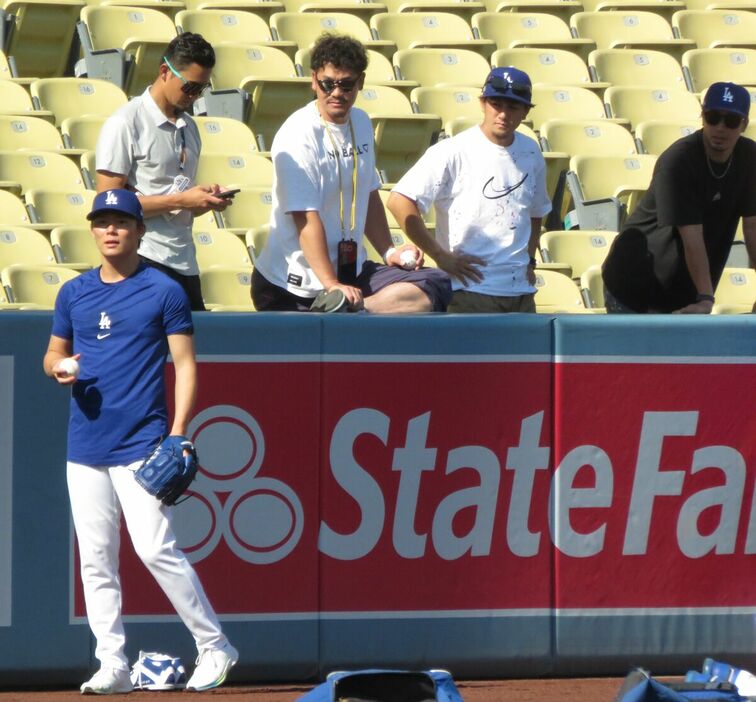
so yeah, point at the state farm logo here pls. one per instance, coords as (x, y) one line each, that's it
(260, 519)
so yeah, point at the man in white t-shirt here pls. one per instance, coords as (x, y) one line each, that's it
(488, 185)
(152, 146)
(325, 198)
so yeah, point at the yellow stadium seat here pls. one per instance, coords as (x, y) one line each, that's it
(362, 10)
(223, 135)
(227, 286)
(664, 8)
(655, 136)
(134, 39)
(637, 67)
(230, 26)
(219, 247)
(549, 67)
(512, 30)
(587, 137)
(18, 132)
(13, 210)
(556, 292)
(41, 35)
(702, 67)
(737, 286)
(24, 245)
(74, 246)
(401, 136)
(82, 132)
(604, 188)
(449, 102)
(58, 207)
(240, 170)
(431, 67)
(716, 29)
(592, 288)
(14, 100)
(633, 29)
(250, 209)
(76, 97)
(643, 103)
(263, 8)
(721, 5)
(561, 9)
(580, 249)
(439, 30)
(464, 9)
(304, 28)
(268, 76)
(37, 284)
(564, 102)
(22, 170)
(255, 239)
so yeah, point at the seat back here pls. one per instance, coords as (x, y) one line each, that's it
(37, 284)
(506, 28)
(564, 102)
(408, 29)
(612, 176)
(716, 28)
(82, 132)
(637, 67)
(431, 67)
(588, 137)
(592, 286)
(24, 245)
(240, 170)
(610, 28)
(546, 66)
(449, 103)
(580, 249)
(75, 244)
(235, 62)
(219, 247)
(656, 135)
(226, 285)
(641, 104)
(21, 132)
(61, 207)
(304, 28)
(12, 210)
(224, 25)
(224, 135)
(737, 286)
(706, 66)
(555, 291)
(251, 208)
(77, 97)
(40, 169)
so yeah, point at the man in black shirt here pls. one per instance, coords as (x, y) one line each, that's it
(671, 251)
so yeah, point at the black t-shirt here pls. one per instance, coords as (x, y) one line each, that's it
(645, 268)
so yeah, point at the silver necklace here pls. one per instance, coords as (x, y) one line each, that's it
(711, 169)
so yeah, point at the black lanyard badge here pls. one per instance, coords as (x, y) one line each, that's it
(347, 268)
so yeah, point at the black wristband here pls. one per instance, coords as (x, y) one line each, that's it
(702, 297)
(533, 262)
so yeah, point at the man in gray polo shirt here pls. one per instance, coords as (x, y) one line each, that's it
(152, 146)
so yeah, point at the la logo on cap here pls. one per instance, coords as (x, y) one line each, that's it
(111, 198)
(727, 95)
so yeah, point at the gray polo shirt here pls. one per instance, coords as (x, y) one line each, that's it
(140, 142)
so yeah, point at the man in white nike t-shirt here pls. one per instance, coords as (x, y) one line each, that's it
(488, 185)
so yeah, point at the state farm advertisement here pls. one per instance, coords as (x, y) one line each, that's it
(429, 487)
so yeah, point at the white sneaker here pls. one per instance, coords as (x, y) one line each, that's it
(213, 665)
(108, 681)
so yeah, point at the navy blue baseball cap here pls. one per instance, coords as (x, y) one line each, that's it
(728, 97)
(510, 83)
(123, 201)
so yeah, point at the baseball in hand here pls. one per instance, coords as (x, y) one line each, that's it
(408, 260)
(70, 366)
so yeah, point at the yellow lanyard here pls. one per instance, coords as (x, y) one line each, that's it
(336, 152)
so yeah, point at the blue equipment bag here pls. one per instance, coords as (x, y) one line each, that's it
(386, 686)
(639, 686)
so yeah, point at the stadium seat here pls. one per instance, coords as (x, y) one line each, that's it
(255, 239)
(737, 287)
(13, 210)
(511, 30)
(227, 286)
(556, 292)
(449, 103)
(22, 170)
(401, 135)
(267, 75)
(74, 246)
(636, 67)
(702, 67)
(231, 25)
(24, 245)
(431, 67)
(564, 102)
(250, 209)
(562, 9)
(219, 247)
(224, 135)
(57, 207)
(655, 136)
(716, 29)
(580, 249)
(592, 288)
(439, 30)
(663, 8)
(240, 170)
(587, 137)
(21, 133)
(41, 35)
(629, 30)
(76, 97)
(605, 188)
(549, 67)
(643, 103)
(124, 43)
(362, 10)
(721, 5)
(82, 132)
(37, 284)
(304, 28)
(263, 8)
(15, 100)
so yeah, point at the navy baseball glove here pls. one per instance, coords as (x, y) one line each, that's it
(167, 473)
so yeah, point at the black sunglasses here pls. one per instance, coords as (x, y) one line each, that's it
(189, 87)
(731, 120)
(502, 85)
(328, 85)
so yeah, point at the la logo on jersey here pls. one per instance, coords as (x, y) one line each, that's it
(727, 95)
(104, 325)
(111, 198)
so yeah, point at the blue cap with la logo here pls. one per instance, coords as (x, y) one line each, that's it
(123, 201)
(728, 97)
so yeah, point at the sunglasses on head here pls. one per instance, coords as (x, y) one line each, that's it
(328, 85)
(502, 85)
(731, 120)
(189, 87)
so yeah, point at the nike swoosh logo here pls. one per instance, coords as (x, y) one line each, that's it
(494, 194)
(103, 336)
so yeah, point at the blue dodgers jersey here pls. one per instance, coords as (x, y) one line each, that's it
(118, 408)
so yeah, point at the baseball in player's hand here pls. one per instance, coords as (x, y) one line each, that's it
(66, 370)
